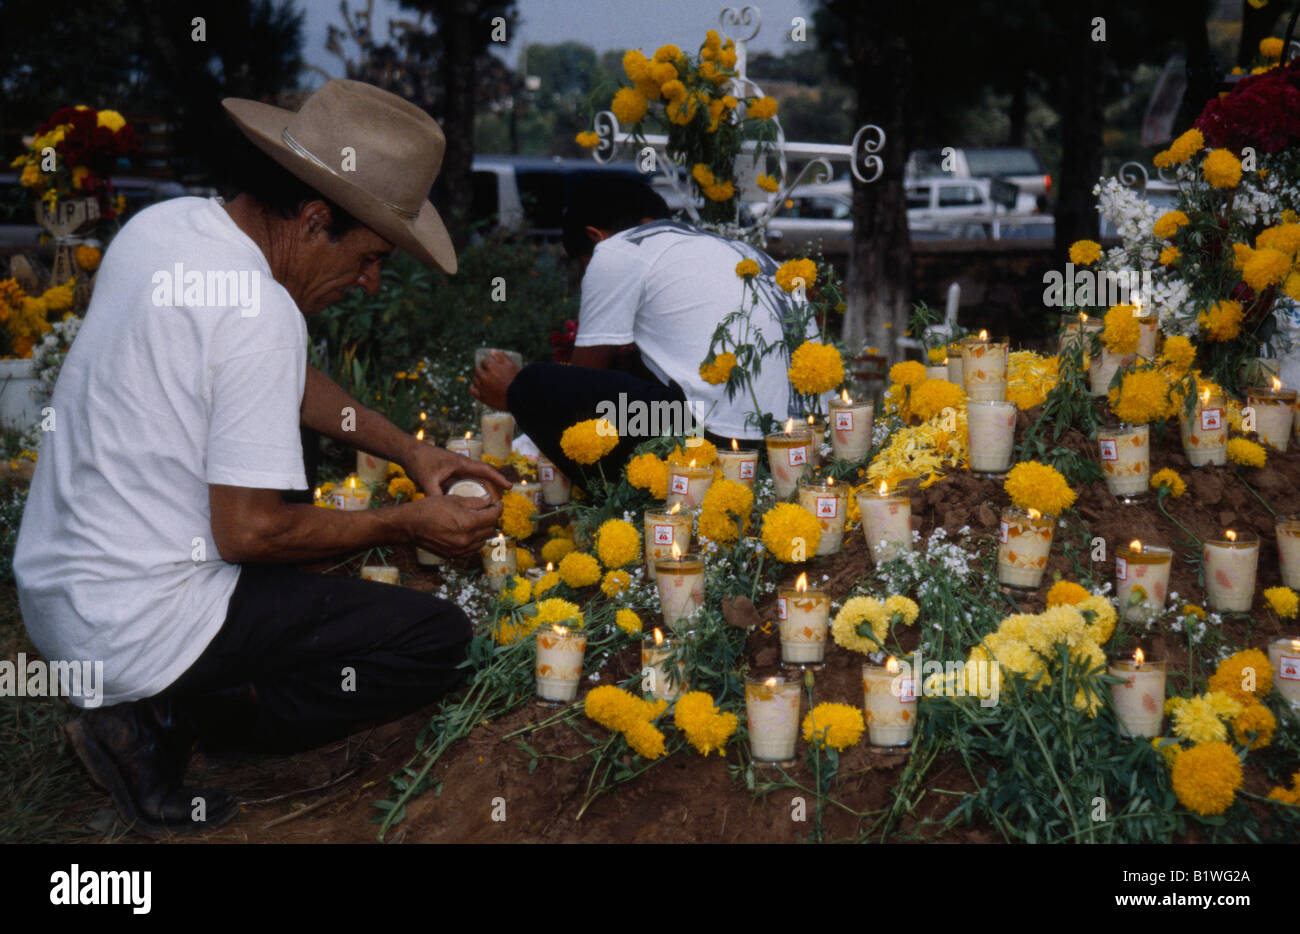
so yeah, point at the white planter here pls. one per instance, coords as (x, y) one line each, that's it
(19, 402)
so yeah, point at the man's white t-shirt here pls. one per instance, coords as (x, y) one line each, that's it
(115, 560)
(666, 286)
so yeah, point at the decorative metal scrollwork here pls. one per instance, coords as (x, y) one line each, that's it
(731, 17)
(867, 142)
(1133, 175)
(606, 128)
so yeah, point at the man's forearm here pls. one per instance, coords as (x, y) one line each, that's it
(324, 409)
(297, 533)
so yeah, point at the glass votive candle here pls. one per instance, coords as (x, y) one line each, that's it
(471, 489)
(1080, 332)
(663, 531)
(1140, 697)
(681, 587)
(991, 426)
(817, 428)
(1148, 335)
(379, 572)
(850, 424)
(428, 558)
(829, 502)
(559, 663)
(1145, 566)
(1274, 414)
(1024, 542)
(1230, 565)
(351, 495)
(498, 430)
(1284, 656)
(886, 522)
(787, 458)
(555, 485)
(660, 678)
(738, 465)
(889, 702)
(687, 484)
(1125, 452)
(1104, 368)
(955, 374)
(1288, 550)
(371, 469)
(468, 446)
(984, 369)
(499, 561)
(529, 491)
(803, 614)
(772, 717)
(1205, 432)
(937, 370)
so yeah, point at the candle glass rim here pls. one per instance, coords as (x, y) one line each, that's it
(1003, 402)
(893, 493)
(809, 483)
(1024, 511)
(1267, 391)
(882, 667)
(690, 556)
(781, 679)
(1122, 428)
(1292, 642)
(678, 468)
(1159, 550)
(1289, 517)
(800, 430)
(569, 631)
(1241, 541)
(1155, 664)
(817, 591)
(679, 514)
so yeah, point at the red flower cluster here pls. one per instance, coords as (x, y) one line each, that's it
(562, 341)
(95, 147)
(1262, 111)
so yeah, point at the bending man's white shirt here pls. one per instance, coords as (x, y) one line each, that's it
(115, 559)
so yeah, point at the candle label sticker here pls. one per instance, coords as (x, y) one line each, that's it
(1211, 419)
(1288, 667)
(338, 500)
(680, 484)
(1003, 531)
(663, 534)
(798, 456)
(907, 690)
(827, 507)
(747, 470)
(1109, 449)
(781, 610)
(1121, 569)
(548, 473)
(843, 421)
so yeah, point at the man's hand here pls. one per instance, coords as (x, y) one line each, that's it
(452, 526)
(492, 378)
(434, 468)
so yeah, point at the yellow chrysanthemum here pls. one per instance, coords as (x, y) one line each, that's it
(719, 371)
(1206, 778)
(587, 139)
(908, 373)
(1180, 353)
(516, 515)
(1168, 224)
(555, 550)
(837, 726)
(616, 709)
(1265, 268)
(1169, 255)
(1221, 169)
(1032, 485)
(1270, 48)
(1186, 146)
(1143, 398)
(628, 621)
(795, 272)
(1283, 600)
(1200, 719)
(617, 543)
(933, 396)
(648, 472)
(1169, 477)
(645, 740)
(901, 609)
(401, 486)
(724, 512)
(705, 727)
(614, 583)
(59, 297)
(88, 258)
(1122, 330)
(860, 625)
(768, 183)
(762, 109)
(589, 441)
(1100, 616)
(1246, 453)
(791, 533)
(1222, 320)
(1066, 593)
(628, 105)
(579, 569)
(1085, 252)
(815, 368)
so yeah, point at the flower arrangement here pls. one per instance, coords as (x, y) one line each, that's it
(25, 319)
(87, 145)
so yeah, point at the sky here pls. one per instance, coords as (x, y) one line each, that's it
(602, 24)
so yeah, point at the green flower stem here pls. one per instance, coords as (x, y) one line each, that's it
(1160, 504)
(1255, 494)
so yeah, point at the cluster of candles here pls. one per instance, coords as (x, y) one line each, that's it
(981, 370)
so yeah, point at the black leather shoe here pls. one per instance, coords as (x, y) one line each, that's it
(137, 753)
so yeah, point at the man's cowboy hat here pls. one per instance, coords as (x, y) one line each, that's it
(395, 154)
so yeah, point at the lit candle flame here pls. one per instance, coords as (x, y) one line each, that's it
(1083, 318)
(677, 552)
(424, 416)
(802, 583)
(1205, 397)
(419, 435)
(811, 420)
(891, 665)
(560, 630)
(1231, 535)
(659, 637)
(1034, 513)
(318, 494)
(549, 567)
(1138, 658)
(789, 425)
(884, 487)
(770, 683)
(1295, 645)
(468, 435)
(676, 508)
(984, 335)
(1277, 384)
(830, 481)
(692, 464)
(1135, 546)
(352, 482)
(734, 445)
(844, 397)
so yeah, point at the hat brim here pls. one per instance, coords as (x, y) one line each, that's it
(424, 237)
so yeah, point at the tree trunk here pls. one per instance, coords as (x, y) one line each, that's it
(454, 186)
(1256, 25)
(1080, 107)
(1202, 75)
(1018, 113)
(878, 286)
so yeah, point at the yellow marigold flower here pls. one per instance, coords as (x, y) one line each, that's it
(648, 472)
(791, 533)
(1206, 778)
(724, 512)
(1143, 397)
(1169, 255)
(1222, 320)
(1032, 485)
(673, 91)
(937, 356)
(1030, 378)
(1180, 353)
(667, 53)
(701, 722)
(727, 57)
(554, 551)
(1122, 330)
(645, 740)
(578, 569)
(628, 621)
(635, 65)
(629, 106)
(555, 612)
(88, 258)
(545, 583)
(1284, 238)
(1241, 254)
(1292, 286)
(768, 183)
(1085, 252)
(516, 515)
(795, 272)
(1256, 719)
(1270, 48)
(815, 368)
(702, 174)
(699, 451)
(747, 269)
(517, 591)
(908, 373)
(617, 543)
(1246, 453)
(1267, 267)
(720, 191)
(712, 41)
(59, 297)
(683, 112)
(901, 609)
(1169, 477)
(589, 441)
(110, 119)
(524, 560)
(401, 486)
(615, 582)
(1168, 224)
(1221, 169)
(860, 625)
(1244, 676)
(1066, 593)
(837, 726)
(616, 709)
(762, 109)
(933, 396)
(1186, 146)
(1101, 617)
(719, 371)
(1283, 600)
(587, 139)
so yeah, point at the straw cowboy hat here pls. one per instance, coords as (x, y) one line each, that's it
(396, 152)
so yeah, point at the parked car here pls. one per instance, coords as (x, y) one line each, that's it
(1016, 164)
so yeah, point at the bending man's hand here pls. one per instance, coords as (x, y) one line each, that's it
(452, 526)
(434, 469)
(492, 378)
